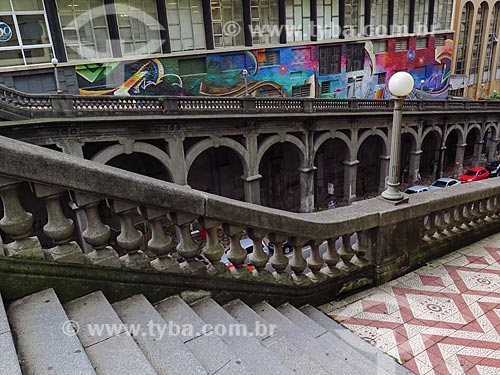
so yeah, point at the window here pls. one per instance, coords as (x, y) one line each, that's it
(421, 16)
(354, 18)
(355, 57)
(442, 14)
(379, 47)
(463, 38)
(328, 19)
(379, 17)
(302, 91)
(138, 27)
(269, 58)
(84, 28)
(298, 20)
(233, 62)
(439, 40)
(185, 25)
(401, 17)
(329, 60)
(325, 87)
(482, 12)
(488, 60)
(26, 38)
(224, 11)
(401, 45)
(192, 66)
(265, 21)
(422, 42)
(381, 78)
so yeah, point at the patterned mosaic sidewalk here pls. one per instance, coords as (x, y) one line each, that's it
(442, 319)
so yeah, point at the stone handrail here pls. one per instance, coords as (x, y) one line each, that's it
(46, 106)
(389, 239)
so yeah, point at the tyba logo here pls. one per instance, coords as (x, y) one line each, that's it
(5, 32)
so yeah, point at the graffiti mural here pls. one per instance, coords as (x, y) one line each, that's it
(341, 70)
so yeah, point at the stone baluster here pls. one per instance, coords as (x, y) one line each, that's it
(17, 223)
(187, 248)
(96, 233)
(2, 250)
(130, 239)
(346, 253)
(430, 226)
(475, 213)
(468, 216)
(236, 254)
(279, 261)
(451, 223)
(331, 258)
(483, 210)
(315, 263)
(214, 250)
(160, 244)
(440, 224)
(460, 219)
(495, 207)
(258, 257)
(298, 264)
(58, 228)
(491, 208)
(360, 248)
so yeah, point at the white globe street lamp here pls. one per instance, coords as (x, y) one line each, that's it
(54, 62)
(400, 85)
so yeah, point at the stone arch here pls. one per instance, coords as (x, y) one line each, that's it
(429, 130)
(409, 141)
(460, 131)
(108, 153)
(271, 141)
(338, 135)
(490, 125)
(414, 137)
(430, 145)
(198, 148)
(377, 132)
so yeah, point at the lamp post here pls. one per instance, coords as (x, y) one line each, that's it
(400, 85)
(245, 74)
(54, 62)
(422, 82)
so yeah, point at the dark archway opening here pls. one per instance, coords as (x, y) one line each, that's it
(430, 154)
(471, 141)
(329, 172)
(218, 171)
(142, 164)
(451, 151)
(407, 146)
(368, 175)
(280, 183)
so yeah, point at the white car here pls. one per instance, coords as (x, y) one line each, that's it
(444, 182)
(416, 189)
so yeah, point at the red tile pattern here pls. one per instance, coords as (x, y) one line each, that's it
(442, 319)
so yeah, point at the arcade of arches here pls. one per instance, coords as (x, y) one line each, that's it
(299, 171)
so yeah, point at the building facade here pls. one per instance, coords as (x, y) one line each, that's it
(477, 49)
(288, 48)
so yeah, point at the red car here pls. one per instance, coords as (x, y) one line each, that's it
(474, 174)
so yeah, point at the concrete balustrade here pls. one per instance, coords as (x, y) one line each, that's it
(378, 240)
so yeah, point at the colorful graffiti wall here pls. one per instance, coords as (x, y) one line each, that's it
(340, 70)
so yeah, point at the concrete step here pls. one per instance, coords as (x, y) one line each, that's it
(46, 343)
(256, 356)
(290, 353)
(9, 364)
(315, 330)
(379, 360)
(164, 350)
(111, 351)
(318, 349)
(210, 350)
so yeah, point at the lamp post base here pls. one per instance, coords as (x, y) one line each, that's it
(403, 199)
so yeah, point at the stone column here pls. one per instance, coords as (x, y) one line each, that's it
(459, 157)
(384, 172)
(350, 177)
(442, 151)
(414, 165)
(307, 189)
(492, 151)
(176, 152)
(251, 185)
(478, 147)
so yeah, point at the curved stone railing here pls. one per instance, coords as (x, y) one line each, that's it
(40, 106)
(388, 239)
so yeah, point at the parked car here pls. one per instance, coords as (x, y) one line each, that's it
(493, 168)
(444, 182)
(416, 189)
(474, 174)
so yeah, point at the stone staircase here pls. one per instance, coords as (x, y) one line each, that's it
(37, 336)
